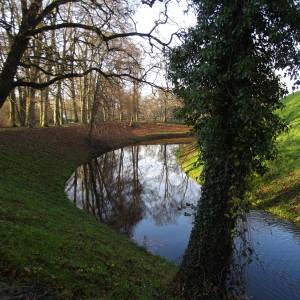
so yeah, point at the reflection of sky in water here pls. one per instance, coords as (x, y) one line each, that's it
(165, 187)
(149, 187)
(150, 175)
(168, 241)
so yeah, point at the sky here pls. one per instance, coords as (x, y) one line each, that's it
(145, 18)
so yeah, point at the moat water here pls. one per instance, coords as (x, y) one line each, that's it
(142, 192)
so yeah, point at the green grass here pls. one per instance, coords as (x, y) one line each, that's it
(288, 143)
(279, 190)
(49, 243)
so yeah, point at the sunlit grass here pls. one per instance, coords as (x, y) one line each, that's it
(279, 190)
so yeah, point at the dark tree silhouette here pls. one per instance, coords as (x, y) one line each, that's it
(225, 72)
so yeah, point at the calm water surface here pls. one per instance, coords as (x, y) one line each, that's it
(142, 192)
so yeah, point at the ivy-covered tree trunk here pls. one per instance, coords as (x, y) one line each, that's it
(224, 72)
(205, 265)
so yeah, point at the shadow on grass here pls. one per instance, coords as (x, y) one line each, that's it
(284, 196)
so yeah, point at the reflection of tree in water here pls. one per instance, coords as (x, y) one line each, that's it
(166, 192)
(109, 191)
(122, 186)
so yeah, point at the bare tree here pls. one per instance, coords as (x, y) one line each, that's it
(25, 21)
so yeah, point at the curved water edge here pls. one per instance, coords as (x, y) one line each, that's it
(141, 192)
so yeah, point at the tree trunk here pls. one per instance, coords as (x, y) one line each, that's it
(57, 110)
(165, 110)
(206, 262)
(95, 107)
(13, 109)
(63, 114)
(44, 119)
(32, 108)
(42, 106)
(46, 109)
(23, 105)
(18, 47)
(10, 66)
(73, 91)
(84, 101)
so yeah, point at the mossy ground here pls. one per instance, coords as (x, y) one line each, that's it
(279, 190)
(47, 242)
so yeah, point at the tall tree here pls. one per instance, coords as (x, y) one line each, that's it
(225, 72)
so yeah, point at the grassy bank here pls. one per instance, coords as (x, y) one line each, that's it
(50, 246)
(279, 190)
